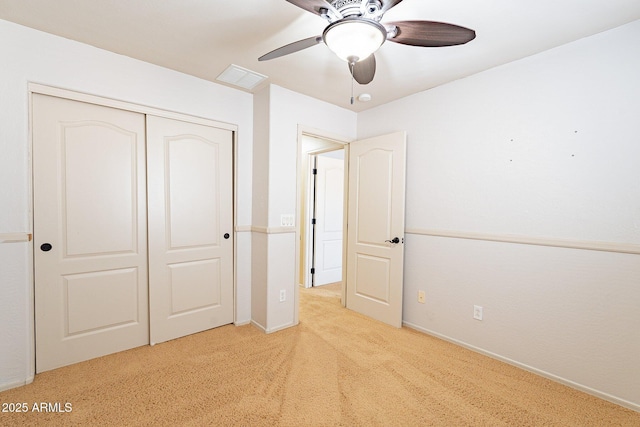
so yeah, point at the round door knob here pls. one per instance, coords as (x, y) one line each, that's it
(226, 235)
(45, 247)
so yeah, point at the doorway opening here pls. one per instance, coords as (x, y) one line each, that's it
(321, 211)
(373, 206)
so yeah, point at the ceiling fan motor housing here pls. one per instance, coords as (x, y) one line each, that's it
(366, 8)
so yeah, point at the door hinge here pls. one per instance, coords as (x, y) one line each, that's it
(313, 221)
(315, 171)
(313, 271)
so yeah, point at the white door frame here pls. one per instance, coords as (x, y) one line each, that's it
(303, 158)
(123, 105)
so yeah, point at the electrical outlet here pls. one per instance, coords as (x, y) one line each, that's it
(477, 312)
(283, 295)
(421, 297)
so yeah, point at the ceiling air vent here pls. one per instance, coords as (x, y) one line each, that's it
(241, 77)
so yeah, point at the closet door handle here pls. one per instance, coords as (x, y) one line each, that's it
(226, 235)
(46, 247)
(394, 240)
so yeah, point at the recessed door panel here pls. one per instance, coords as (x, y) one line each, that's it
(99, 180)
(372, 278)
(190, 177)
(90, 227)
(373, 194)
(332, 255)
(332, 211)
(100, 300)
(194, 286)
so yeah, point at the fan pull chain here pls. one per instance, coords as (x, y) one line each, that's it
(352, 65)
(352, 89)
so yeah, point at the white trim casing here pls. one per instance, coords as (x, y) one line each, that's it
(128, 106)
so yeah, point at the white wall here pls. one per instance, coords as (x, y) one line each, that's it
(542, 150)
(280, 113)
(288, 111)
(33, 56)
(260, 207)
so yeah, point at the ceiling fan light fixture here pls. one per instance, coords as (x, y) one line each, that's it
(355, 39)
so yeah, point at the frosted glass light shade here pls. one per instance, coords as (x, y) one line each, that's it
(354, 40)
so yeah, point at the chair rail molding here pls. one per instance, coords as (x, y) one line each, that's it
(15, 237)
(624, 248)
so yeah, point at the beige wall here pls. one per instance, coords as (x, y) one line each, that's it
(543, 151)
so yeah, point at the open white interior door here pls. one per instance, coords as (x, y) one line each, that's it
(375, 248)
(329, 219)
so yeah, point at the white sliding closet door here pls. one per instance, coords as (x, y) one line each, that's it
(90, 243)
(102, 178)
(190, 227)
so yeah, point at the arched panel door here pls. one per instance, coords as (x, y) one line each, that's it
(190, 227)
(90, 231)
(375, 246)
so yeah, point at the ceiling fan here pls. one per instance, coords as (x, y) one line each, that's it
(355, 32)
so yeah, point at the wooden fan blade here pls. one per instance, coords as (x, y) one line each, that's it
(365, 70)
(388, 4)
(430, 33)
(314, 6)
(291, 48)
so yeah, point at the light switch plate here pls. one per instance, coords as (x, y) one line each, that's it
(286, 220)
(477, 312)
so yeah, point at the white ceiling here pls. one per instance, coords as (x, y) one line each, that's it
(203, 37)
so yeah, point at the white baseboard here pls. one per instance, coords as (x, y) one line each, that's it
(280, 328)
(602, 395)
(259, 326)
(271, 330)
(16, 384)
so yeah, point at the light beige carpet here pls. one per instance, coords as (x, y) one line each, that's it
(336, 368)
